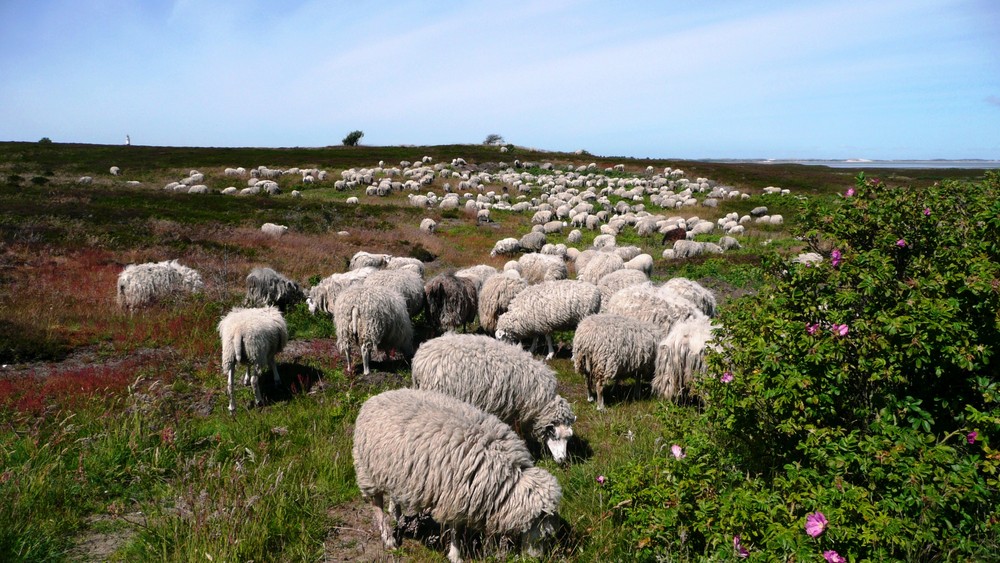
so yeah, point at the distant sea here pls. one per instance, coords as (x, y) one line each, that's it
(863, 163)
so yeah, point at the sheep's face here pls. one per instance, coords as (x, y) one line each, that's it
(556, 439)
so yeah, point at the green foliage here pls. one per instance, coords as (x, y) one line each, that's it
(353, 138)
(861, 387)
(45, 141)
(302, 324)
(39, 180)
(494, 139)
(14, 179)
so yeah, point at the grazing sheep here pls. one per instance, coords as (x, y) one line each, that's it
(642, 262)
(536, 268)
(139, 284)
(507, 246)
(406, 282)
(478, 274)
(645, 302)
(611, 283)
(611, 347)
(362, 259)
(115, 171)
(323, 295)
(85, 180)
(370, 317)
(680, 356)
(273, 230)
(501, 379)
(353, 200)
(428, 225)
(546, 307)
(495, 297)
(451, 301)
(532, 242)
(406, 263)
(251, 337)
(426, 451)
(598, 266)
(691, 290)
(267, 288)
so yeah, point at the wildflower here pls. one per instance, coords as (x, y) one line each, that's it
(840, 330)
(601, 479)
(812, 328)
(971, 436)
(678, 452)
(741, 551)
(849, 192)
(833, 557)
(901, 243)
(815, 524)
(167, 435)
(927, 212)
(726, 377)
(835, 258)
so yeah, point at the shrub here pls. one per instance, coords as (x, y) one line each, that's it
(493, 139)
(353, 138)
(860, 388)
(14, 179)
(45, 141)
(39, 180)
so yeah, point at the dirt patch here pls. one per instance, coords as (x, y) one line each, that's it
(86, 356)
(353, 536)
(96, 545)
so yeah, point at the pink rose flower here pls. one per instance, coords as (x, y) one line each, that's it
(815, 523)
(601, 479)
(726, 377)
(741, 551)
(849, 192)
(678, 452)
(833, 557)
(812, 328)
(901, 243)
(971, 437)
(835, 258)
(927, 212)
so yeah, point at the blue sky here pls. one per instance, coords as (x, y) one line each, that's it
(886, 79)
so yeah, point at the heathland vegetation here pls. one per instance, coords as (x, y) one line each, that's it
(850, 412)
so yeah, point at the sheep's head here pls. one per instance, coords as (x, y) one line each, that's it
(555, 427)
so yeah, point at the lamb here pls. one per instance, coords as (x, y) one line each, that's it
(267, 288)
(140, 284)
(406, 282)
(536, 268)
(501, 379)
(426, 451)
(252, 337)
(608, 347)
(546, 307)
(495, 297)
(323, 295)
(369, 317)
(273, 229)
(451, 300)
(680, 356)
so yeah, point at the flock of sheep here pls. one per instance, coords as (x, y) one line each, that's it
(446, 446)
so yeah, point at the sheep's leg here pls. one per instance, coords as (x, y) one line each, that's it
(599, 392)
(534, 343)
(230, 374)
(552, 350)
(590, 389)
(246, 376)
(365, 353)
(454, 550)
(274, 370)
(255, 383)
(385, 526)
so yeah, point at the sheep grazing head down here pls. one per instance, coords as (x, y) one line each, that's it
(556, 427)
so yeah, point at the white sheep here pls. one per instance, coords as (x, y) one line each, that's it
(115, 170)
(139, 284)
(478, 274)
(426, 451)
(369, 317)
(680, 356)
(495, 297)
(266, 288)
(692, 291)
(643, 263)
(252, 337)
(273, 230)
(612, 347)
(536, 268)
(546, 307)
(507, 246)
(611, 283)
(406, 282)
(406, 263)
(362, 259)
(323, 295)
(598, 266)
(501, 379)
(645, 302)
(428, 225)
